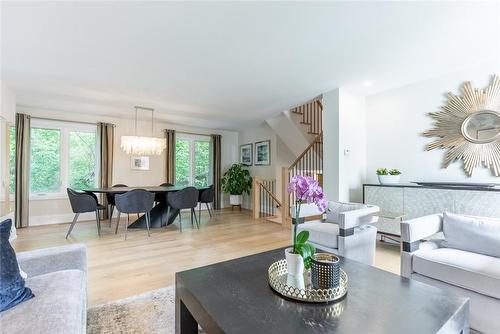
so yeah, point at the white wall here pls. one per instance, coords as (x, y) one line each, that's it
(58, 210)
(396, 119)
(344, 150)
(280, 156)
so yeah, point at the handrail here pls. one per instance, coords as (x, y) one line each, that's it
(316, 140)
(269, 192)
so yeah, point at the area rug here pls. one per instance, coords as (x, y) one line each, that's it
(151, 312)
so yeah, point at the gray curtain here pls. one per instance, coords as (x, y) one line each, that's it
(216, 155)
(23, 136)
(170, 156)
(105, 135)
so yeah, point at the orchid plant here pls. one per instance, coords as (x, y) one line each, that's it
(306, 190)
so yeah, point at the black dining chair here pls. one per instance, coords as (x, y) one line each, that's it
(82, 202)
(186, 198)
(207, 197)
(160, 197)
(134, 201)
(110, 198)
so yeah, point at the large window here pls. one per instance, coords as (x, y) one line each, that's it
(193, 161)
(63, 154)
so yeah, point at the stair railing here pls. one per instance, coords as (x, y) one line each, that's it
(265, 202)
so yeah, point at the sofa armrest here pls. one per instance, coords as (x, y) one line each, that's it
(47, 260)
(412, 231)
(350, 219)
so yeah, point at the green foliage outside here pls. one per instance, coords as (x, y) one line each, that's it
(45, 160)
(82, 160)
(202, 163)
(182, 162)
(236, 180)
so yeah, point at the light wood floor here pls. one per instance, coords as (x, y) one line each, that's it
(119, 268)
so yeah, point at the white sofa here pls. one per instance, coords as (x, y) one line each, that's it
(466, 267)
(346, 230)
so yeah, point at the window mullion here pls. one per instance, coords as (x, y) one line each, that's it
(192, 161)
(64, 156)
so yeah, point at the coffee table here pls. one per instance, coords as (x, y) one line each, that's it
(234, 297)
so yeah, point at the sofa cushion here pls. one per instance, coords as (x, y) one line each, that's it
(59, 306)
(334, 208)
(324, 234)
(12, 286)
(474, 234)
(476, 272)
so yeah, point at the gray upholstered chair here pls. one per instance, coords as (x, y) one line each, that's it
(160, 197)
(207, 197)
(347, 230)
(186, 198)
(82, 202)
(134, 201)
(110, 198)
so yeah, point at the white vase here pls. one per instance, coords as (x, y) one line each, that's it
(235, 199)
(388, 179)
(294, 263)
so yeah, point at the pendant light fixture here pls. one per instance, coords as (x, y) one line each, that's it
(137, 145)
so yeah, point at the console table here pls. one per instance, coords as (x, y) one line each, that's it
(414, 201)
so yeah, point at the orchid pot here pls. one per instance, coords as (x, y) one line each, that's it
(294, 263)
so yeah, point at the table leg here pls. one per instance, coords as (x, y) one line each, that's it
(158, 217)
(184, 320)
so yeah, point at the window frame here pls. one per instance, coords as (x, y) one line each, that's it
(65, 128)
(192, 139)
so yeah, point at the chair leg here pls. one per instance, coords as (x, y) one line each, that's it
(98, 221)
(192, 218)
(126, 226)
(208, 209)
(199, 211)
(147, 222)
(168, 215)
(72, 225)
(111, 209)
(117, 222)
(196, 219)
(180, 221)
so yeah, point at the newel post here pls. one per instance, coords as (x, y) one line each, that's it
(255, 198)
(285, 197)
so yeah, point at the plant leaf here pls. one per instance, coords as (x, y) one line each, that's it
(302, 237)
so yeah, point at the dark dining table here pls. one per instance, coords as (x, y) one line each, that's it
(159, 214)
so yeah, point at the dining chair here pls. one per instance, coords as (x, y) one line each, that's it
(134, 201)
(207, 197)
(186, 198)
(82, 202)
(110, 198)
(160, 197)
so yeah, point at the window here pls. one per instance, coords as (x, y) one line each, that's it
(63, 154)
(12, 159)
(193, 161)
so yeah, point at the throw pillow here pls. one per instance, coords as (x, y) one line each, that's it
(474, 234)
(12, 286)
(13, 236)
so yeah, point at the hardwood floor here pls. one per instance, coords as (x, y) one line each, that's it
(119, 268)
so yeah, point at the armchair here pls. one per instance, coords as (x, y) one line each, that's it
(346, 231)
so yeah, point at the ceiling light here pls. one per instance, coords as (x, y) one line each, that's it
(367, 83)
(137, 145)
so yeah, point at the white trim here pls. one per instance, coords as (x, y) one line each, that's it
(60, 218)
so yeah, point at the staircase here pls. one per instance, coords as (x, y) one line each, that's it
(302, 125)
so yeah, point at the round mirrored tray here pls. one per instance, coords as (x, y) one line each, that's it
(300, 288)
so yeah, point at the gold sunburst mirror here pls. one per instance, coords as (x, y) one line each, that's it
(468, 126)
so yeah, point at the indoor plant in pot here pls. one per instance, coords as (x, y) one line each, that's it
(306, 190)
(391, 176)
(236, 181)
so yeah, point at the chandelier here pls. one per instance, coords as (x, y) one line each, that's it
(137, 145)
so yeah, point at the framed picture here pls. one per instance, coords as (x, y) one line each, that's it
(139, 163)
(263, 153)
(246, 154)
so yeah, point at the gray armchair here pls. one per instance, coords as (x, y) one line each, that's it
(346, 231)
(82, 202)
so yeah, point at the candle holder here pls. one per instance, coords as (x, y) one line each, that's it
(325, 271)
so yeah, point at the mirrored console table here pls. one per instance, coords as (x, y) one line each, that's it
(412, 201)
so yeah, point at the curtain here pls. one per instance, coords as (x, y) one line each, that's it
(170, 156)
(216, 154)
(22, 170)
(105, 135)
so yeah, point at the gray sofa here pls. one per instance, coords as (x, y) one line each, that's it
(58, 278)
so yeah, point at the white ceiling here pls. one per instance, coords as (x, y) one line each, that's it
(227, 65)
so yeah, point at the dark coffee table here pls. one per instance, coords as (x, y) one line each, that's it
(234, 297)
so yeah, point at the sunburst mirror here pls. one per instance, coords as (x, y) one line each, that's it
(468, 126)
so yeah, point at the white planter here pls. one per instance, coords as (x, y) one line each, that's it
(235, 199)
(388, 179)
(294, 263)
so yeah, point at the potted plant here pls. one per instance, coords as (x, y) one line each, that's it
(391, 176)
(236, 181)
(306, 190)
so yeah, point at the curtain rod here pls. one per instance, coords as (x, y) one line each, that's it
(62, 120)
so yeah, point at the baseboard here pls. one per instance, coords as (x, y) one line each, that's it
(59, 218)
